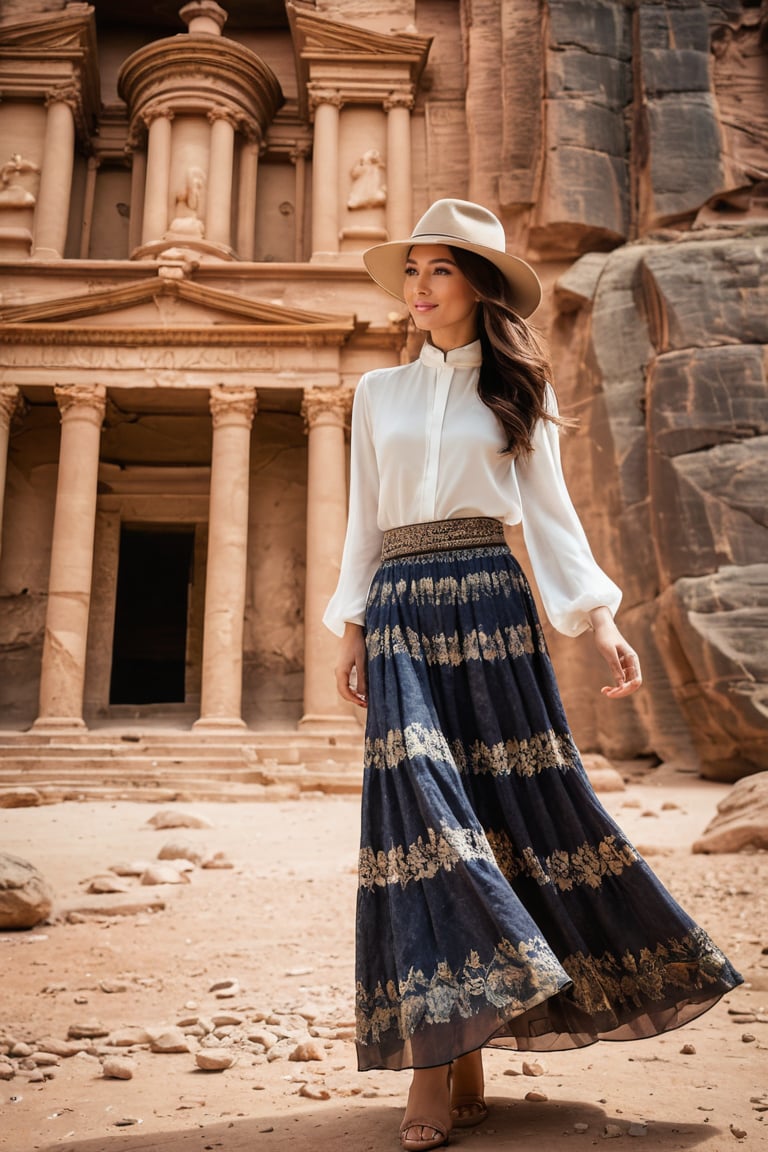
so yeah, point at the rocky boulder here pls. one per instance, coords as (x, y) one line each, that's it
(25, 898)
(741, 823)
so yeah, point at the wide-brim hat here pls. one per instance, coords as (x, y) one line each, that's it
(460, 224)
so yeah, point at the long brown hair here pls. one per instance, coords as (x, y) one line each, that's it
(514, 371)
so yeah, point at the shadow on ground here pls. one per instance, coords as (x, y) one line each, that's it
(370, 1126)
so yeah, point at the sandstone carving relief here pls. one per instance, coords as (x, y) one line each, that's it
(13, 194)
(368, 190)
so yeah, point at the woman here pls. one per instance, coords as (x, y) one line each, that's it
(498, 902)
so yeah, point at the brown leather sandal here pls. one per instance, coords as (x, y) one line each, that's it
(437, 1141)
(474, 1107)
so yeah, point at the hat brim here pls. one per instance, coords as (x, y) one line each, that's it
(386, 265)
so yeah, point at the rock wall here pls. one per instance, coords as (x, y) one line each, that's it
(633, 169)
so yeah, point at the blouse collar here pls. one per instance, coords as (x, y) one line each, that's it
(468, 356)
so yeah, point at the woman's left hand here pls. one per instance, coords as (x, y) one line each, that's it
(620, 657)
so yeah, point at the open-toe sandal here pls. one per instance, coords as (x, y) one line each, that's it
(468, 1111)
(436, 1141)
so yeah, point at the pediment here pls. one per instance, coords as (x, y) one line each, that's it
(318, 34)
(158, 308)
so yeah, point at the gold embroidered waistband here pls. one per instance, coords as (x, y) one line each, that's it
(441, 536)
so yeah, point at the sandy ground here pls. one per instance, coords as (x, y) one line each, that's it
(281, 924)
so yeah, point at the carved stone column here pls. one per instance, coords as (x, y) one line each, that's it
(138, 191)
(398, 107)
(157, 188)
(246, 198)
(326, 104)
(299, 156)
(62, 678)
(218, 212)
(326, 412)
(9, 398)
(221, 697)
(52, 211)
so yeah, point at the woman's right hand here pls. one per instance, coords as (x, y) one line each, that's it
(351, 675)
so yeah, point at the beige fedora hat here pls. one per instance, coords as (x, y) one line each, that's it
(461, 224)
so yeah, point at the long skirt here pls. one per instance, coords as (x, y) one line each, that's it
(498, 902)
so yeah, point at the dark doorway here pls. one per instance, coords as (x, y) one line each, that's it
(150, 641)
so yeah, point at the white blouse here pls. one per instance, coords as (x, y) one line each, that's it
(425, 447)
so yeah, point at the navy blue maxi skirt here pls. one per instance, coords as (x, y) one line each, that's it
(498, 902)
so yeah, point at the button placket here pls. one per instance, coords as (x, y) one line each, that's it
(442, 385)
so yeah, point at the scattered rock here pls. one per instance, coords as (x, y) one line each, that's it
(748, 1038)
(168, 1040)
(217, 860)
(112, 987)
(580, 1127)
(533, 1068)
(118, 1068)
(306, 1051)
(129, 1037)
(182, 850)
(164, 874)
(225, 989)
(611, 1131)
(7, 1070)
(741, 823)
(130, 868)
(87, 1030)
(739, 1133)
(120, 904)
(25, 897)
(215, 1059)
(536, 1097)
(637, 1130)
(602, 775)
(168, 818)
(108, 883)
(688, 1050)
(314, 1092)
(58, 1047)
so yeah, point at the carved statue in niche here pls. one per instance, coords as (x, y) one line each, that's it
(368, 188)
(189, 206)
(12, 193)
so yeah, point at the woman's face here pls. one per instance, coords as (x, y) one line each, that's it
(439, 296)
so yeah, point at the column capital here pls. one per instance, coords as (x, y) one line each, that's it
(400, 98)
(319, 95)
(81, 401)
(156, 111)
(222, 112)
(9, 399)
(326, 406)
(64, 94)
(232, 405)
(300, 151)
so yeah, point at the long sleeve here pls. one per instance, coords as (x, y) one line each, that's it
(569, 579)
(362, 546)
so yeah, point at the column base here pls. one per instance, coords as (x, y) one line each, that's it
(218, 724)
(328, 723)
(59, 724)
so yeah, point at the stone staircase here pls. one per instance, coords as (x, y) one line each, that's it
(142, 764)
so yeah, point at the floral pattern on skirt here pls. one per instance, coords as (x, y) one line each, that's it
(498, 902)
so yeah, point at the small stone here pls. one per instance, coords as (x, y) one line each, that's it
(536, 1097)
(130, 868)
(19, 797)
(7, 1070)
(688, 1050)
(512, 1072)
(126, 1122)
(611, 1131)
(168, 1040)
(45, 1059)
(747, 1038)
(739, 1133)
(181, 850)
(87, 1030)
(306, 1051)
(533, 1068)
(36, 1077)
(637, 1130)
(580, 1127)
(128, 1037)
(314, 1092)
(118, 1068)
(112, 986)
(266, 1039)
(216, 860)
(214, 1059)
(164, 874)
(299, 971)
(108, 883)
(170, 819)
(21, 1049)
(222, 1019)
(58, 1047)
